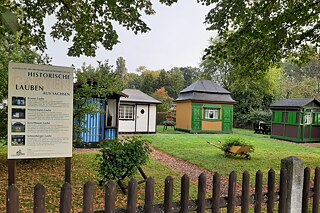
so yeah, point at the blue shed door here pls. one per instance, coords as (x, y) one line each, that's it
(95, 124)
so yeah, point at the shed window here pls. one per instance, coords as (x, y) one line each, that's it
(307, 118)
(210, 113)
(126, 112)
(277, 116)
(316, 118)
(292, 117)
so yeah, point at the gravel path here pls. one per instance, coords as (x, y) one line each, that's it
(193, 171)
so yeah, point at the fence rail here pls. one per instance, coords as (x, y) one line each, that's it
(245, 201)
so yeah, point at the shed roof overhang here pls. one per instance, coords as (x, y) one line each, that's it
(207, 97)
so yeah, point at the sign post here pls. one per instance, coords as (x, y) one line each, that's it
(40, 113)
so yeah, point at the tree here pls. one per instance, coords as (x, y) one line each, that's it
(175, 81)
(219, 73)
(86, 23)
(121, 70)
(259, 34)
(190, 75)
(162, 95)
(134, 81)
(304, 80)
(253, 93)
(149, 81)
(11, 50)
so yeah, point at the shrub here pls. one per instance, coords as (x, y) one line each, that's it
(121, 158)
(254, 116)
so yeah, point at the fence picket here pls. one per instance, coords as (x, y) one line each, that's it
(271, 191)
(12, 199)
(132, 196)
(201, 193)
(149, 195)
(88, 197)
(185, 205)
(168, 194)
(258, 192)
(245, 192)
(306, 189)
(39, 204)
(232, 192)
(316, 188)
(185, 185)
(110, 197)
(283, 191)
(216, 193)
(66, 198)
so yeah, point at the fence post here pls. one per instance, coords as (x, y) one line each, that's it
(295, 173)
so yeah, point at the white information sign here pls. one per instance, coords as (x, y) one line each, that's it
(40, 106)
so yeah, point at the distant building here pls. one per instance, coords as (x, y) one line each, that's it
(296, 119)
(204, 107)
(137, 112)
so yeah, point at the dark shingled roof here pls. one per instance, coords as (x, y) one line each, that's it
(294, 102)
(135, 95)
(206, 86)
(205, 90)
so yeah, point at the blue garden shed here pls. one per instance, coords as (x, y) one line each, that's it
(104, 124)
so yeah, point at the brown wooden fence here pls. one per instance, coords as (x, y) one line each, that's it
(262, 200)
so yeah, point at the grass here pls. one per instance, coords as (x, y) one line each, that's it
(190, 147)
(50, 173)
(169, 130)
(268, 152)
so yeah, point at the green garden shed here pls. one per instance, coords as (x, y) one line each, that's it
(296, 119)
(204, 107)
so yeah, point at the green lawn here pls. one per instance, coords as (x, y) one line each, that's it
(50, 173)
(268, 152)
(190, 147)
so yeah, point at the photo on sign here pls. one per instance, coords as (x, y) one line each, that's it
(18, 140)
(18, 101)
(18, 113)
(18, 126)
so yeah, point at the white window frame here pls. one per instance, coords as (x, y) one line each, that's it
(126, 112)
(211, 111)
(307, 118)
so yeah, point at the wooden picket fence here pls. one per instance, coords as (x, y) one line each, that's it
(261, 201)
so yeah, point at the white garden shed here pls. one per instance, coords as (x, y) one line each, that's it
(137, 112)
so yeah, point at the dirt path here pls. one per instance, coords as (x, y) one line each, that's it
(193, 171)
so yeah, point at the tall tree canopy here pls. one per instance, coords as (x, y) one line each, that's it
(257, 34)
(11, 50)
(86, 23)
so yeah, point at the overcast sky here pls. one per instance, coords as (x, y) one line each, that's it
(177, 38)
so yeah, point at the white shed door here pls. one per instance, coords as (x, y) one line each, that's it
(142, 118)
